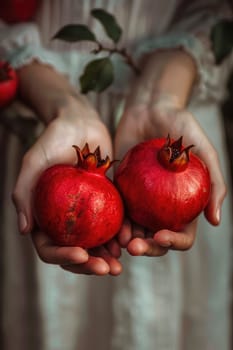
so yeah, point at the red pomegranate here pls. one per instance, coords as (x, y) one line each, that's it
(13, 11)
(8, 83)
(163, 184)
(78, 205)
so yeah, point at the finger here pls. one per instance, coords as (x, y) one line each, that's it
(138, 231)
(22, 195)
(53, 254)
(115, 267)
(177, 240)
(34, 162)
(218, 186)
(114, 248)
(213, 209)
(94, 266)
(125, 234)
(146, 247)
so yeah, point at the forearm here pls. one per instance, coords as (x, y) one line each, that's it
(44, 89)
(174, 74)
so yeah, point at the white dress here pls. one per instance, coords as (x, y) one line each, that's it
(178, 302)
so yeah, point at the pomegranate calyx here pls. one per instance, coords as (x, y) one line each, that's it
(92, 161)
(173, 155)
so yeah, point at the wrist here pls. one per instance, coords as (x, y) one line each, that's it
(165, 100)
(75, 107)
(47, 91)
(174, 74)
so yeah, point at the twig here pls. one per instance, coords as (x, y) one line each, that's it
(122, 52)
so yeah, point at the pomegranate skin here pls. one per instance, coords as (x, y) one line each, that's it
(16, 11)
(158, 197)
(77, 207)
(8, 83)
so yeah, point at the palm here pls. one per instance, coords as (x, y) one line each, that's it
(52, 147)
(55, 144)
(145, 123)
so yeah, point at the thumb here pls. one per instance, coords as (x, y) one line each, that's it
(218, 189)
(25, 221)
(23, 192)
(213, 209)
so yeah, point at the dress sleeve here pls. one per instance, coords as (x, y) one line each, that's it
(20, 44)
(15, 38)
(190, 30)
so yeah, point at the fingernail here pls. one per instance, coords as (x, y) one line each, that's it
(165, 244)
(163, 240)
(22, 222)
(84, 256)
(218, 214)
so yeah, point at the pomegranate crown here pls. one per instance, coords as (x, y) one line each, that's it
(173, 155)
(92, 161)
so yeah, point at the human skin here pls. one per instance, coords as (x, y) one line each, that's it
(156, 106)
(70, 119)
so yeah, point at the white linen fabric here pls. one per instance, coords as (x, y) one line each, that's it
(178, 302)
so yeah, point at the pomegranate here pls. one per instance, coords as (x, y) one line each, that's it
(78, 205)
(8, 83)
(14, 11)
(163, 184)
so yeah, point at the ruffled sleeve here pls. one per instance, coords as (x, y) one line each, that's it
(20, 44)
(17, 36)
(190, 31)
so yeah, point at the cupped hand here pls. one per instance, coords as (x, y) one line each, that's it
(97, 261)
(75, 124)
(150, 113)
(139, 242)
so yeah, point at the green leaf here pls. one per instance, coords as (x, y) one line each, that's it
(109, 23)
(222, 39)
(74, 33)
(97, 76)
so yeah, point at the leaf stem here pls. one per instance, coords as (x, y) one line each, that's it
(122, 52)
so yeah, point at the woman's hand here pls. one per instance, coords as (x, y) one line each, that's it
(74, 122)
(77, 123)
(156, 107)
